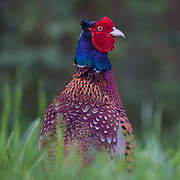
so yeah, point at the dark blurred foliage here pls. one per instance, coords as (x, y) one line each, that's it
(39, 38)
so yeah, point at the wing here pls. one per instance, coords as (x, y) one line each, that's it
(125, 125)
(49, 126)
(129, 137)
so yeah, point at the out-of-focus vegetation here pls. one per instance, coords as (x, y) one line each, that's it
(21, 159)
(38, 41)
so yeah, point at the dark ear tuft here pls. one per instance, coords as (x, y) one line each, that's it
(85, 23)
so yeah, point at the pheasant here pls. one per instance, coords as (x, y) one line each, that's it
(89, 109)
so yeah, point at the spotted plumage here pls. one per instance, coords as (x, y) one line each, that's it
(89, 110)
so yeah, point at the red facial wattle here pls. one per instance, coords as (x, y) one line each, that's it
(101, 37)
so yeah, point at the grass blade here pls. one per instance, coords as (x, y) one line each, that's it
(157, 121)
(17, 107)
(5, 114)
(27, 138)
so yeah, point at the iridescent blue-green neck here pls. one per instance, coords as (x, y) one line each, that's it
(88, 55)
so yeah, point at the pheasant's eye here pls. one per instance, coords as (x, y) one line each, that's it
(100, 28)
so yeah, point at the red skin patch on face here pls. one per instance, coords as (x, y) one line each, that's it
(103, 40)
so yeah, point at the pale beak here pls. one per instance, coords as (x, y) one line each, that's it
(117, 32)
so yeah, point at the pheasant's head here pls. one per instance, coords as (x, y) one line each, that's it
(96, 40)
(103, 34)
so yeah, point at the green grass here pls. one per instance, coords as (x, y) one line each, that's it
(21, 159)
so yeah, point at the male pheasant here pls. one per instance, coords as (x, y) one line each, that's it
(89, 109)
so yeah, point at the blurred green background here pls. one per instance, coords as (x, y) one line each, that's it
(39, 38)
